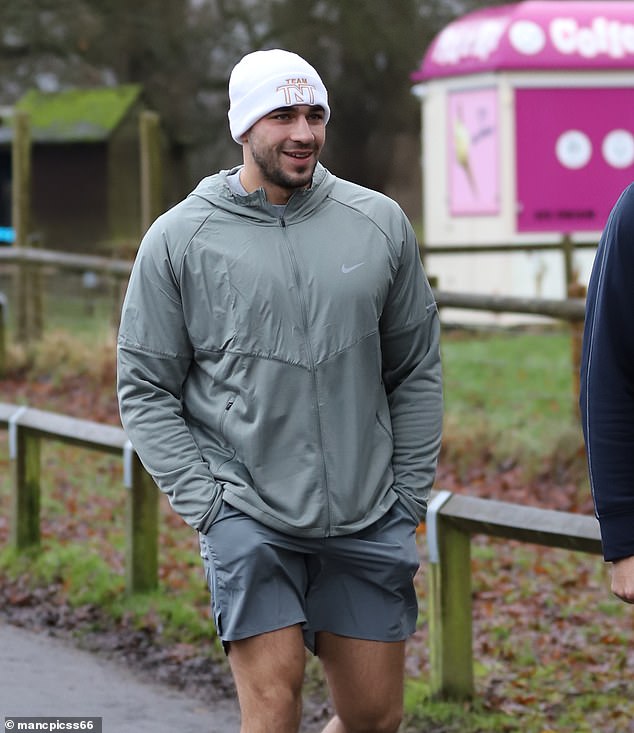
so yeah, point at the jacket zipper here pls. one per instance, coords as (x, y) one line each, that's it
(311, 361)
(225, 414)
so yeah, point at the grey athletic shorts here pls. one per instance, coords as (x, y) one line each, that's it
(359, 585)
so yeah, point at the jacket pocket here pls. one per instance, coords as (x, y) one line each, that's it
(229, 405)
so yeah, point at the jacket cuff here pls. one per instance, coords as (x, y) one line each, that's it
(617, 535)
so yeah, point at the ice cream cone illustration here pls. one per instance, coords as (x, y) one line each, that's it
(462, 147)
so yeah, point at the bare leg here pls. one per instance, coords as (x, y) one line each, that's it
(268, 670)
(366, 681)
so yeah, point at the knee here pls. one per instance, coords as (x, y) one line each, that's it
(274, 706)
(284, 709)
(373, 721)
(280, 697)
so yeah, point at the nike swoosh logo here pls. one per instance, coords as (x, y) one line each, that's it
(346, 270)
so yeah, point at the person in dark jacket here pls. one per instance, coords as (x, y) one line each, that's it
(607, 391)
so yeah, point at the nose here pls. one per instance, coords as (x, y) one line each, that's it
(302, 131)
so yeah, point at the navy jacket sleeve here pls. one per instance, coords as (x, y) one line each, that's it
(607, 380)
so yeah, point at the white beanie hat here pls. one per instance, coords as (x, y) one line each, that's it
(266, 80)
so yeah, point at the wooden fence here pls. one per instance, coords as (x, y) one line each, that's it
(451, 521)
(27, 428)
(570, 309)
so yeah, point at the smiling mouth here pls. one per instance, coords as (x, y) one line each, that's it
(299, 155)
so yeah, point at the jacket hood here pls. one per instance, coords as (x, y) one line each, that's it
(216, 190)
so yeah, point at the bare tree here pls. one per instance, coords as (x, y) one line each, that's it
(181, 52)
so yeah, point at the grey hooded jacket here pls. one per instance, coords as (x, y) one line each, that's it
(289, 366)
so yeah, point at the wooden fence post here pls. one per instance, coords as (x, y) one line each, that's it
(25, 520)
(3, 335)
(151, 169)
(576, 290)
(151, 190)
(116, 288)
(141, 564)
(26, 306)
(36, 301)
(450, 632)
(568, 249)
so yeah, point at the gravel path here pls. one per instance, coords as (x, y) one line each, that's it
(41, 676)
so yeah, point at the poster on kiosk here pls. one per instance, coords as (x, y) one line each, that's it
(527, 138)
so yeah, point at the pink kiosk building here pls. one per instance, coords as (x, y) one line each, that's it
(528, 135)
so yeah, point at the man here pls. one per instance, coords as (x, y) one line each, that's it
(279, 376)
(607, 391)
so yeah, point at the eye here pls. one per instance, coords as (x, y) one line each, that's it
(279, 114)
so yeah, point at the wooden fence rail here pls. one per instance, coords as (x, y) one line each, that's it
(66, 261)
(571, 309)
(27, 428)
(565, 246)
(561, 245)
(451, 521)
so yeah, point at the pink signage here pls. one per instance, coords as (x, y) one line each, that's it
(534, 35)
(473, 152)
(574, 153)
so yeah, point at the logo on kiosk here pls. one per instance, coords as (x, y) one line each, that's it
(527, 37)
(588, 38)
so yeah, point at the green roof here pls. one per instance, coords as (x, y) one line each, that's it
(78, 115)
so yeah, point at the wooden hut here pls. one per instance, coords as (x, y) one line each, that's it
(85, 167)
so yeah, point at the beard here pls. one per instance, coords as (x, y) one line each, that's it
(270, 160)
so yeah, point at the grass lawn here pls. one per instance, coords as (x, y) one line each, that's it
(511, 391)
